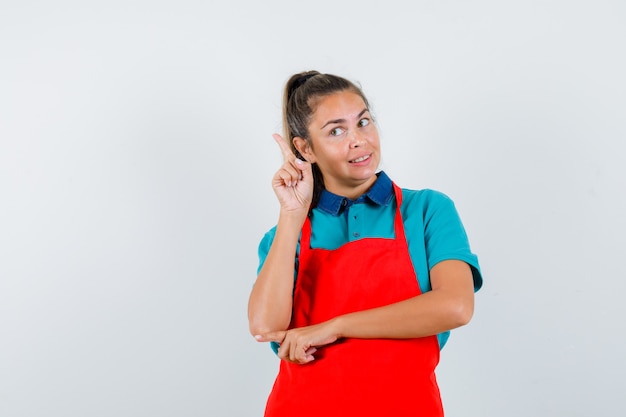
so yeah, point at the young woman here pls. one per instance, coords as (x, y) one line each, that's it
(360, 281)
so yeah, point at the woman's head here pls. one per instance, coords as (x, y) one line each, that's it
(303, 94)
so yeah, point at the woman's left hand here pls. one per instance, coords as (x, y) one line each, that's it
(298, 345)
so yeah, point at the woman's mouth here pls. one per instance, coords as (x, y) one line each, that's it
(361, 159)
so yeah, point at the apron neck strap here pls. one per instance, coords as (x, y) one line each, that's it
(398, 224)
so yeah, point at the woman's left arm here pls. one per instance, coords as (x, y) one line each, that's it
(450, 304)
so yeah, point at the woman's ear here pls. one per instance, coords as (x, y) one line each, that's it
(304, 147)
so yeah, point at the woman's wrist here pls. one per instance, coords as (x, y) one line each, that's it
(292, 218)
(288, 227)
(337, 326)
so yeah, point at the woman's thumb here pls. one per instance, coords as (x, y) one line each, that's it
(271, 337)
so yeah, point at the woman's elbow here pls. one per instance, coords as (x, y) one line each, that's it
(258, 329)
(260, 326)
(257, 326)
(461, 312)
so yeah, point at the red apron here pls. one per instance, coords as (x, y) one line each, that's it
(357, 377)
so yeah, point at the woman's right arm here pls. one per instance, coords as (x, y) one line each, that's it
(269, 306)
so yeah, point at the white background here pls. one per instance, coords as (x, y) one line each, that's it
(135, 163)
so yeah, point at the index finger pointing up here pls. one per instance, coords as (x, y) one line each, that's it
(288, 155)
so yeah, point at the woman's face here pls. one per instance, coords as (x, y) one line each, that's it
(345, 144)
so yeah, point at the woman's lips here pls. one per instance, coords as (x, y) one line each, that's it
(361, 159)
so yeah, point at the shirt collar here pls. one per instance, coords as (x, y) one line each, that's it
(381, 193)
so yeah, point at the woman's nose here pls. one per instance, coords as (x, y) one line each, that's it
(356, 139)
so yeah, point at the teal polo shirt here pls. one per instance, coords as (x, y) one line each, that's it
(432, 226)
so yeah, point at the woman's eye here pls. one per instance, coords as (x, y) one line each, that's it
(336, 131)
(364, 122)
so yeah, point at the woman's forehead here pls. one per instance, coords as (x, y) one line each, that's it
(341, 105)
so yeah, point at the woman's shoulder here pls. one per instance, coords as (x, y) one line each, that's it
(427, 205)
(425, 197)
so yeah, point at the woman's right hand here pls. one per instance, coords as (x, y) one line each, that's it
(293, 182)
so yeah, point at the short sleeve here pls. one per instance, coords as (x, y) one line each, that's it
(445, 237)
(264, 247)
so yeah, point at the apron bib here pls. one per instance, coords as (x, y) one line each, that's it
(357, 377)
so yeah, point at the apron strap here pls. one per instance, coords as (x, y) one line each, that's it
(305, 237)
(398, 224)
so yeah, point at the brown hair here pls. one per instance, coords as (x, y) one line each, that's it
(302, 93)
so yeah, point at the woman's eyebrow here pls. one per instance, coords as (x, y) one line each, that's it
(336, 121)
